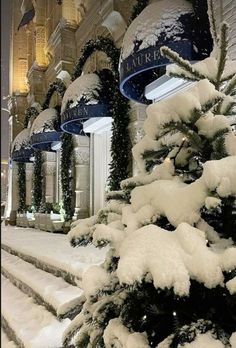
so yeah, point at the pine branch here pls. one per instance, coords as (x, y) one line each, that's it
(218, 141)
(219, 133)
(229, 88)
(152, 154)
(178, 151)
(184, 64)
(181, 76)
(219, 148)
(212, 21)
(226, 108)
(185, 128)
(223, 47)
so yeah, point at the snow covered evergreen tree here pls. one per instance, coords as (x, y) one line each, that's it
(169, 278)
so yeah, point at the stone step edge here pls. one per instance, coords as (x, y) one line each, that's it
(57, 272)
(13, 337)
(26, 289)
(11, 333)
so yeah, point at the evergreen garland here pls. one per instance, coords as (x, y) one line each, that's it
(138, 8)
(21, 180)
(120, 142)
(66, 177)
(37, 181)
(30, 112)
(56, 86)
(21, 175)
(66, 153)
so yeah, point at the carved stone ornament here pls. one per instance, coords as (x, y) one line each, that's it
(49, 168)
(81, 155)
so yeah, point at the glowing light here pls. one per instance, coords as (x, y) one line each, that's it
(174, 314)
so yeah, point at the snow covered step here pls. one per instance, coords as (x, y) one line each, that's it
(5, 342)
(32, 325)
(51, 252)
(67, 276)
(59, 297)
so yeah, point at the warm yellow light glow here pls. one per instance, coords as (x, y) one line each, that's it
(40, 45)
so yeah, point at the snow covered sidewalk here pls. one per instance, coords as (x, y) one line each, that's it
(53, 251)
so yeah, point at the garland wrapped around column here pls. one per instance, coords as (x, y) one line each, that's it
(37, 182)
(56, 86)
(66, 177)
(120, 141)
(59, 87)
(137, 9)
(21, 180)
(66, 154)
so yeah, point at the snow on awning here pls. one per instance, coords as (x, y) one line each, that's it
(83, 99)
(21, 147)
(45, 130)
(162, 23)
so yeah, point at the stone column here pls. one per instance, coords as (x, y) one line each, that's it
(49, 170)
(81, 154)
(40, 33)
(16, 107)
(29, 183)
(69, 13)
(36, 73)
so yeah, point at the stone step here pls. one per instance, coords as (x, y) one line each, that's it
(51, 252)
(47, 267)
(28, 324)
(60, 298)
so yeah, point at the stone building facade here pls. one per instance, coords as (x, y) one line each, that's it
(48, 45)
(40, 51)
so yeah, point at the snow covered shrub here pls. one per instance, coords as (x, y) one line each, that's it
(169, 277)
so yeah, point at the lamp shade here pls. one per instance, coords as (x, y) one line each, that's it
(162, 23)
(45, 130)
(83, 99)
(21, 147)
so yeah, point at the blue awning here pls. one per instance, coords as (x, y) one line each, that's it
(21, 148)
(162, 23)
(43, 141)
(45, 130)
(84, 98)
(72, 119)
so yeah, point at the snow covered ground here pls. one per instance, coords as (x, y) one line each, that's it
(53, 249)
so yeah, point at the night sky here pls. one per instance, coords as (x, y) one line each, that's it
(5, 52)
